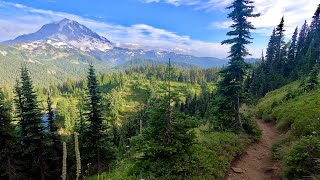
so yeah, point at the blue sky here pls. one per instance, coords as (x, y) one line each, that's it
(193, 27)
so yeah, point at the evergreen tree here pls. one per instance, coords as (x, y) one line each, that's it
(99, 151)
(292, 53)
(231, 87)
(312, 80)
(271, 49)
(278, 61)
(257, 82)
(314, 39)
(302, 48)
(31, 129)
(8, 149)
(166, 141)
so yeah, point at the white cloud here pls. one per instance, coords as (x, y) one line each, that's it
(28, 20)
(207, 5)
(295, 13)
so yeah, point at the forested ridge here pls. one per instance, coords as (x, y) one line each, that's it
(150, 120)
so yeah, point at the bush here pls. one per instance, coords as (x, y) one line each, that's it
(291, 94)
(215, 153)
(302, 158)
(251, 127)
(280, 144)
(306, 127)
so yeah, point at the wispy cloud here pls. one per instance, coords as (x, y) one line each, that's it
(27, 20)
(206, 5)
(294, 12)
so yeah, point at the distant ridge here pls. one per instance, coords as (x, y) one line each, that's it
(71, 35)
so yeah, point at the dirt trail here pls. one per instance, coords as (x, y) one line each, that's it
(256, 163)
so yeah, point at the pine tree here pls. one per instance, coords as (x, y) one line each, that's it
(302, 48)
(312, 80)
(166, 141)
(292, 53)
(8, 149)
(271, 48)
(267, 66)
(233, 75)
(277, 63)
(31, 133)
(97, 144)
(314, 39)
(258, 80)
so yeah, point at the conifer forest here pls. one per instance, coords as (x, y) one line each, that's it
(76, 105)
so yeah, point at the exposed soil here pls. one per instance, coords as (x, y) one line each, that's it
(256, 163)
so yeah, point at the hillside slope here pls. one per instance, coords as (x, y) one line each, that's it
(51, 64)
(296, 113)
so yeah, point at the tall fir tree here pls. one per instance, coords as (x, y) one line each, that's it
(99, 151)
(166, 141)
(31, 130)
(302, 48)
(314, 39)
(292, 61)
(278, 61)
(271, 48)
(231, 86)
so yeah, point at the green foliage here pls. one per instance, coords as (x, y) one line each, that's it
(53, 65)
(165, 143)
(297, 116)
(210, 157)
(191, 75)
(280, 144)
(95, 140)
(303, 107)
(9, 147)
(287, 62)
(31, 130)
(251, 128)
(67, 113)
(120, 172)
(312, 80)
(302, 158)
(216, 152)
(231, 87)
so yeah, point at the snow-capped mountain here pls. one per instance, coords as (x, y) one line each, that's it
(64, 34)
(68, 35)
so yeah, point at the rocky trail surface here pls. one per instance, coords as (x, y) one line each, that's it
(256, 163)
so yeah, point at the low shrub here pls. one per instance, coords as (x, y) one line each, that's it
(302, 158)
(306, 127)
(251, 127)
(280, 145)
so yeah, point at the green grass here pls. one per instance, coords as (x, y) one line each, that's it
(289, 114)
(296, 114)
(214, 153)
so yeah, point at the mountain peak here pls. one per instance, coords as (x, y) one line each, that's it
(67, 31)
(67, 22)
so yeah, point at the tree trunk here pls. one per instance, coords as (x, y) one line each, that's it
(42, 167)
(99, 160)
(140, 126)
(237, 109)
(11, 171)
